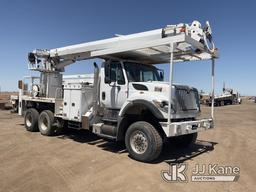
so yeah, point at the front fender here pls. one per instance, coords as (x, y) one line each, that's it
(148, 105)
(146, 99)
(123, 122)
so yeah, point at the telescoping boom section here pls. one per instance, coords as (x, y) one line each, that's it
(186, 42)
(126, 98)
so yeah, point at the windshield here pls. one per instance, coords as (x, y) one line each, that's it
(141, 73)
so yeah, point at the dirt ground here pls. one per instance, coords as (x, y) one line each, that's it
(80, 161)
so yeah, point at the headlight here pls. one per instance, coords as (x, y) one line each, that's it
(163, 106)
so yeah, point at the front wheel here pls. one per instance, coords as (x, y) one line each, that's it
(143, 141)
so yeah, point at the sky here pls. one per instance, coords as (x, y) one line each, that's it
(27, 25)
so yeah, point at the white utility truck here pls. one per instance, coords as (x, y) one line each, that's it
(228, 97)
(125, 99)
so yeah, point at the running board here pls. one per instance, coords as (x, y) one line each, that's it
(74, 125)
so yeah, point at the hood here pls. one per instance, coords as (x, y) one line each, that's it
(152, 86)
(185, 99)
(157, 87)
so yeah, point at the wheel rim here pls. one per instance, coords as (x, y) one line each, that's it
(44, 124)
(28, 120)
(139, 142)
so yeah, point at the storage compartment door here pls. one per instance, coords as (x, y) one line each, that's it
(66, 104)
(75, 100)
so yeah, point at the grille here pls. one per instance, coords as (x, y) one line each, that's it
(187, 99)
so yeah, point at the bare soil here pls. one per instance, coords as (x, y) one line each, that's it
(80, 161)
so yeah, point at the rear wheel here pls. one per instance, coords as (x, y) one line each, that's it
(46, 123)
(31, 120)
(143, 141)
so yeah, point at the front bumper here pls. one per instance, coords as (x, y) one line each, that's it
(186, 127)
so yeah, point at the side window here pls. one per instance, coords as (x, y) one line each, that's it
(116, 73)
(148, 76)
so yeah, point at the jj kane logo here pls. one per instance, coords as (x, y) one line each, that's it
(176, 173)
(201, 173)
(215, 172)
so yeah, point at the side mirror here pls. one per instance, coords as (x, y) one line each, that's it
(20, 84)
(120, 82)
(107, 69)
(120, 78)
(161, 74)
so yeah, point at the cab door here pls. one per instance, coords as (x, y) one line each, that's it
(114, 85)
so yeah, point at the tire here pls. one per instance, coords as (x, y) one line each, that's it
(151, 147)
(46, 123)
(31, 120)
(184, 140)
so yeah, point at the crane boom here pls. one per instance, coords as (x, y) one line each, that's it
(151, 47)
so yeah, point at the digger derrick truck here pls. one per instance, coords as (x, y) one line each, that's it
(126, 99)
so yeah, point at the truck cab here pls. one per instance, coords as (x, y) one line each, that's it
(125, 82)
